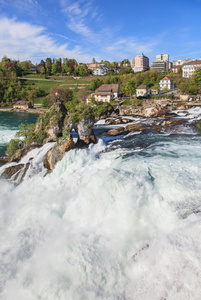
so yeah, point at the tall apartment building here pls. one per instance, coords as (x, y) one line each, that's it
(162, 57)
(161, 63)
(140, 63)
(160, 66)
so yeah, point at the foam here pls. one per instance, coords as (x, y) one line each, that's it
(105, 226)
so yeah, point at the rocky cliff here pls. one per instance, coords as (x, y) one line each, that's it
(54, 126)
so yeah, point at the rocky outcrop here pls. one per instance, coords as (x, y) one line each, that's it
(56, 126)
(51, 124)
(155, 111)
(147, 110)
(116, 131)
(156, 125)
(16, 172)
(22, 152)
(86, 136)
(56, 153)
(85, 133)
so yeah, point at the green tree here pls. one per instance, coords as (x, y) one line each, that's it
(48, 66)
(64, 93)
(130, 87)
(94, 84)
(55, 69)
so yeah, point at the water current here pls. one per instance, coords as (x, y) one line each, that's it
(9, 125)
(119, 220)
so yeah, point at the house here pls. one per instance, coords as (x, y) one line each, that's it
(94, 66)
(102, 70)
(105, 93)
(117, 69)
(154, 91)
(189, 68)
(22, 104)
(168, 82)
(143, 91)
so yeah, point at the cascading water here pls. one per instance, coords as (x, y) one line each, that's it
(120, 220)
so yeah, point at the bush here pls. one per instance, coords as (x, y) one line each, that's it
(13, 146)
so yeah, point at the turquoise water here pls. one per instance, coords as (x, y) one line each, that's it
(9, 125)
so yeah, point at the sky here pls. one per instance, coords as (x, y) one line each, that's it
(101, 29)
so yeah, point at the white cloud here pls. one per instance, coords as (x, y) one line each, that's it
(28, 6)
(86, 19)
(32, 42)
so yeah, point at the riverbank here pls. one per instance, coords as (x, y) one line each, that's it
(30, 110)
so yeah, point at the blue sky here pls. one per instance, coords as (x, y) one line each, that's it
(108, 30)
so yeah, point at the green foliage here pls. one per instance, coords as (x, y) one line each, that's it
(95, 83)
(82, 70)
(189, 85)
(165, 90)
(133, 101)
(130, 87)
(44, 101)
(13, 146)
(65, 94)
(102, 109)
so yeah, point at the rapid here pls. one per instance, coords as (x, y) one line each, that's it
(119, 220)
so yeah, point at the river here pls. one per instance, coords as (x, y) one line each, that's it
(9, 125)
(119, 220)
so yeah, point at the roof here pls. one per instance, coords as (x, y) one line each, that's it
(170, 78)
(107, 88)
(194, 62)
(22, 102)
(142, 87)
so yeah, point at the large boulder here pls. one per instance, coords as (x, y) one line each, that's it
(52, 123)
(135, 127)
(155, 111)
(56, 153)
(85, 133)
(116, 131)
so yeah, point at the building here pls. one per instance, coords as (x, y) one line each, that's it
(175, 69)
(162, 63)
(180, 62)
(117, 69)
(102, 70)
(162, 66)
(105, 93)
(189, 68)
(93, 66)
(22, 104)
(143, 91)
(168, 82)
(140, 63)
(162, 57)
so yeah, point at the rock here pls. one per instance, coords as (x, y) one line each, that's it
(13, 172)
(85, 133)
(116, 131)
(22, 152)
(52, 123)
(56, 153)
(125, 121)
(135, 127)
(173, 122)
(155, 111)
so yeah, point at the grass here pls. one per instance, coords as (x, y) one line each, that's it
(42, 84)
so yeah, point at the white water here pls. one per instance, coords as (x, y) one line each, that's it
(6, 135)
(104, 225)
